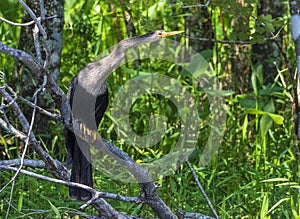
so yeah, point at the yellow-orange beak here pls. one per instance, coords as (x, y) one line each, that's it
(166, 34)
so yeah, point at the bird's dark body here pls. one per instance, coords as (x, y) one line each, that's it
(88, 98)
(78, 150)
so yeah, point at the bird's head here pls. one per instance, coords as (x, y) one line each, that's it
(158, 34)
(162, 33)
(146, 38)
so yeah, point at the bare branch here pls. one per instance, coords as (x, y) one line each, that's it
(189, 215)
(9, 99)
(10, 199)
(6, 105)
(29, 135)
(24, 57)
(106, 208)
(220, 41)
(33, 16)
(53, 116)
(38, 70)
(37, 43)
(16, 24)
(13, 207)
(141, 175)
(41, 165)
(36, 31)
(41, 110)
(42, 7)
(201, 189)
(12, 130)
(110, 196)
(26, 162)
(47, 178)
(52, 165)
(148, 189)
(107, 211)
(24, 24)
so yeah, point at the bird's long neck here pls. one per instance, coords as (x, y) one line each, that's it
(94, 75)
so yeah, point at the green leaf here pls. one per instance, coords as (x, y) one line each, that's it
(246, 103)
(137, 209)
(56, 211)
(264, 207)
(269, 107)
(207, 54)
(243, 36)
(20, 201)
(257, 38)
(275, 117)
(270, 28)
(220, 92)
(198, 66)
(255, 111)
(275, 180)
(259, 73)
(264, 125)
(277, 204)
(245, 127)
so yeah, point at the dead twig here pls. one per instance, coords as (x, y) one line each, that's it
(201, 189)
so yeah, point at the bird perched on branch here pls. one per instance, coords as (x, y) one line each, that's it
(88, 98)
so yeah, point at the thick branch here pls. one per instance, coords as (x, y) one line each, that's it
(149, 195)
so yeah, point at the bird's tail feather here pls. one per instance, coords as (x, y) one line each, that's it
(81, 171)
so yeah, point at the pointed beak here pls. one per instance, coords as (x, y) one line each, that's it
(166, 34)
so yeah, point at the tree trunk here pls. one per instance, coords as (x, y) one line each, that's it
(26, 84)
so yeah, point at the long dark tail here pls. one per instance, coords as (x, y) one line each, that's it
(78, 150)
(80, 157)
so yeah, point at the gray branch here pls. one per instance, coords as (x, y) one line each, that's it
(37, 69)
(202, 189)
(26, 163)
(36, 21)
(12, 130)
(148, 188)
(54, 166)
(100, 204)
(53, 116)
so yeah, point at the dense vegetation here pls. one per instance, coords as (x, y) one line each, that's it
(247, 45)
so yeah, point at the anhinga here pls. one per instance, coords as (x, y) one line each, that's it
(89, 87)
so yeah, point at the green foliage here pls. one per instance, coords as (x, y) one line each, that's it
(9, 34)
